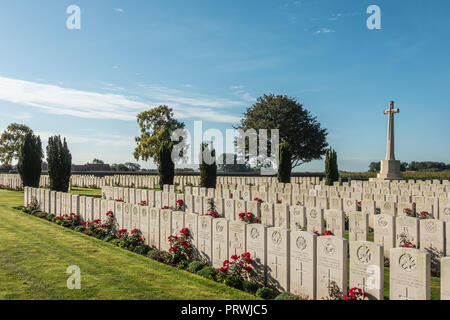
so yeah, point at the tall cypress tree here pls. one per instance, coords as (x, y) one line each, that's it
(208, 171)
(30, 160)
(284, 163)
(166, 167)
(59, 162)
(331, 167)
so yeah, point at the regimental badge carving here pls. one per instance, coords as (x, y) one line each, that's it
(349, 203)
(296, 212)
(364, 254)
(254, 233)
(329, 247)
(382, 222)
(135, 211)
(276, 238)
(313, 213)
(407, 262)
(430, 226)
(144, 212)
(127, 209)
(204, 224)
(447, 211)
(219, 227)
(387, 205)
(301, 243)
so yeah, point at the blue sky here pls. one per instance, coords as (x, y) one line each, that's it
(209, 60)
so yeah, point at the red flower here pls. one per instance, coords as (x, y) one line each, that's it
(180, 202)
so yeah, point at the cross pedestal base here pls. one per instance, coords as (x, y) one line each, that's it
(390, 170)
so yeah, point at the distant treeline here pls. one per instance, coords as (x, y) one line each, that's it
(415, 166)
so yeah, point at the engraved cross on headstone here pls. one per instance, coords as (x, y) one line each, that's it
(276, 264)
(301, 272)
(406, 296)
(363, 284)
(328, 277)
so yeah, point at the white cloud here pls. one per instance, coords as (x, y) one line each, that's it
(120, 10)
(239, 91)
(324, 31)
(112, 140)
(71, 102)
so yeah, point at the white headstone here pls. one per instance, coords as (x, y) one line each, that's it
(367, 268)
(384, 231)
(278, 258)
(303, 264)
(220, 241)
(409, 274)
(332, 257)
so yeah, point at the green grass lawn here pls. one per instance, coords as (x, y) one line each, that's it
(86, 191)
(35, 254)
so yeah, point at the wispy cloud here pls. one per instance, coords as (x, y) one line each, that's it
(323, 31)
(57, 100)
(119, 10)
(71, 102)
(113, 141)
(238, 90)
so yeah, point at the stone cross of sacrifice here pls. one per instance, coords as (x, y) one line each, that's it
(390, 137)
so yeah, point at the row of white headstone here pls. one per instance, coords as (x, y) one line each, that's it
(389, 230)
(296, 261)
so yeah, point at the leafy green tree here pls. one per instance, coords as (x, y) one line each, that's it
(120, 167)
(30, 160)
(11, 141)
(306, 137)
(132, 166)
(331, 167)
(6, 168)
(98, 161)
(157, 126)
(375, 166)
(208, 167)
(284, 163)
(59, 162)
